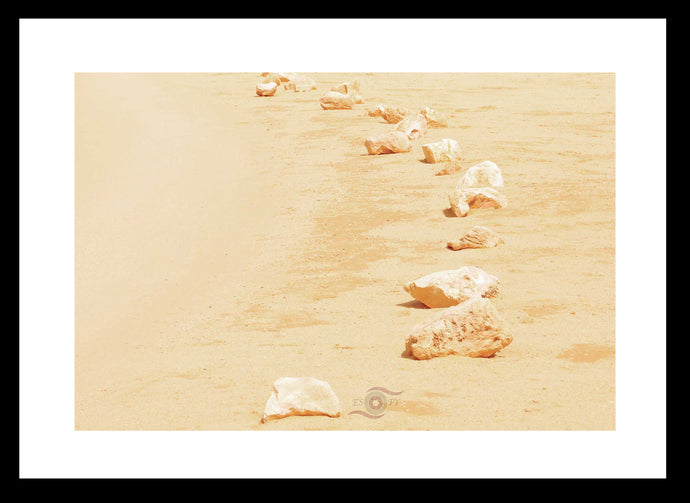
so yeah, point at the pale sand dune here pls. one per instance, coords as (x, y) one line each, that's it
(224, 240)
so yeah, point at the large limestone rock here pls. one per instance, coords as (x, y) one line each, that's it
(481, 198)
(391, 142)
(301, 396)
(451, 287)
(391, 114)
(266, 89)
(413, 127)
(335, 100)
(478, 237)
(484, 197)
(484, 174)
(473, 328)
(440, 151)
(433, 118)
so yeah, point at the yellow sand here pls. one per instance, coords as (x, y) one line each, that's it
(224, 240)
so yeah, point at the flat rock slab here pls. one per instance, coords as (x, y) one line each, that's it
(451, 287)
(392, 142)
(473, 328)
(301, 396)
(477, 237)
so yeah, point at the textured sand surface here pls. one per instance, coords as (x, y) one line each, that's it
(224, 240)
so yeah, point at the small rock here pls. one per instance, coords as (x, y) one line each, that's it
(351, 88)
(391, 142)
(335, 100)
(484, 174)
(391, 114)
(473, 328)
(299, 83)
(434, 119)
(477, 237)
(266, 89)
(444, 150)
(413, 127)
(301, 396)
(451, 287)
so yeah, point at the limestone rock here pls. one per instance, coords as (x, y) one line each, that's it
(473, 328)
(444, 150)
(484, 174)
(484, 197)
(413, 127)
(301, 396)
(388, 143)
(458, 205)
(481, 198)
(391, 114)
(266, 89)
(478, 237)
(335, 100)
(451, 287)
(434, 119)
(351, 88)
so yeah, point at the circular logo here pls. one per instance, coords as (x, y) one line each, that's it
(375, 402)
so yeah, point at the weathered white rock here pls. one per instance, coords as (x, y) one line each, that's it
(391, 114)
(451, 287)
(484, 174)
(266, 89)
(413, 127)
(351, 89)
(480, 198)
(478, 237)
(458, 205)
(473, 328)
(433, 118)
(391, 142)
(335, 100)
(301, 396)
(444, 150)
(484, 197)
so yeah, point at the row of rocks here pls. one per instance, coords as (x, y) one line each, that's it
(407, 127)
(468, 323)
(290, 81)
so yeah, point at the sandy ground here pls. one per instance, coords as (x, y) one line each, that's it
(224, 240)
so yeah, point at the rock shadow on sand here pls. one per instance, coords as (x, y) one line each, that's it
(414, 304)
